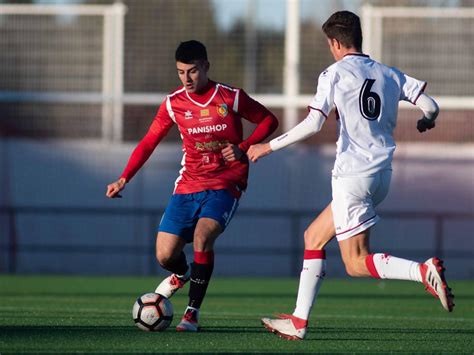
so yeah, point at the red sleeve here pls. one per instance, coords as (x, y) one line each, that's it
(157, 131)
(255, 112)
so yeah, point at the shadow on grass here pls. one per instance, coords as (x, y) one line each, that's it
(372, 330)
(9, 332)
(278, 295)
(337, 331)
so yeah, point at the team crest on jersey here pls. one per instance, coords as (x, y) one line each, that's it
(222, 110)
(188, 115)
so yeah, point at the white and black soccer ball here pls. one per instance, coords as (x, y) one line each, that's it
(152, 312)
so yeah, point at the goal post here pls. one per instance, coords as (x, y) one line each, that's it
(431, 43)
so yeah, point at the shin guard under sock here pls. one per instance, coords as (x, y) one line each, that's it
(201, 272)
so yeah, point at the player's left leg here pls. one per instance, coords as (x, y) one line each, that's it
(217, 210)
(207, 231)
(360, 262)
(354, 201)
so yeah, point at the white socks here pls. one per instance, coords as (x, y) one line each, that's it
(381, 266)
(311, 277)
(384, 266)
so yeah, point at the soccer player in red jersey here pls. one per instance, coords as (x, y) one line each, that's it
(213, 176)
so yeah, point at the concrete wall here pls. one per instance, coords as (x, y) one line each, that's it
(429, 209)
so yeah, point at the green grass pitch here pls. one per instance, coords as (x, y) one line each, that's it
(51, 314)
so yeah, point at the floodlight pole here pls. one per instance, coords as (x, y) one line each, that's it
(291, 80)
(250, 73)
(112, 73)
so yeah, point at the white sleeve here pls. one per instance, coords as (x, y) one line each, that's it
(428, 106)
(323, 100)
(306, 128)
(411, 88)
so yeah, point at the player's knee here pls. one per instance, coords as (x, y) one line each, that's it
(311, 241)
(199, 241)
(203, 241)
(164, 259)
(352, 269)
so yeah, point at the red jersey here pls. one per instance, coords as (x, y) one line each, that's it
(207, 123)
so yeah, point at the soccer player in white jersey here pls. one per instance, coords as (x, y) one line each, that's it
(366, 94)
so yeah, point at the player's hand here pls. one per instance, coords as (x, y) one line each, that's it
(257, 151)
(424, 124)
(231, 152)
(114, 188)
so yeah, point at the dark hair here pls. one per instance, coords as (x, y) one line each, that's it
(190, 51)
(345, 27)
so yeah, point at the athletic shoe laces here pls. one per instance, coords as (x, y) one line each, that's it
(298, 323)
(190, 316)
(176, 281)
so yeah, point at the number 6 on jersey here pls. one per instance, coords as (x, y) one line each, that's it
(369, 101)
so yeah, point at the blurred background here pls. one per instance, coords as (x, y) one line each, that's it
(80, 82)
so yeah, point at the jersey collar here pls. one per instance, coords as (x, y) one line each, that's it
(357, 55)
(206, 97)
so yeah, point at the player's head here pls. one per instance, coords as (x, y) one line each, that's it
(192, 65)
(344, 33)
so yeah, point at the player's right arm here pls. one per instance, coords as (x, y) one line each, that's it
(113, 189)
(157, 131)
(306, 128)
(430, 111)
(319, 108)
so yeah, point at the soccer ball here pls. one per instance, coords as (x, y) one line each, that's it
(152, 312)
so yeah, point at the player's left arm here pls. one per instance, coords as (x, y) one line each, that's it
(430, 112)
(412, 90)
(253, 111)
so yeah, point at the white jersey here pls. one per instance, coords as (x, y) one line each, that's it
(365, 94)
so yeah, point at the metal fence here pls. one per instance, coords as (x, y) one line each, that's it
(14, 244)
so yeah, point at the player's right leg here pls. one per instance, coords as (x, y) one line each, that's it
(317, 235)
(169, 253)
(176, 229)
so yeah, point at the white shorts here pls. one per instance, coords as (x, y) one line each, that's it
(354, 200)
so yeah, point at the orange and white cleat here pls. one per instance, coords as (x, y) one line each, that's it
(189, 322)
(170, 285)
(432, 273)
(287, 326)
